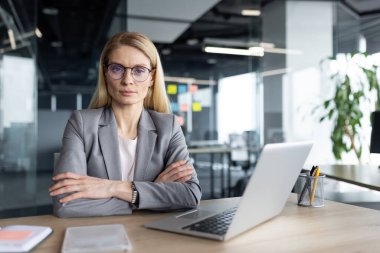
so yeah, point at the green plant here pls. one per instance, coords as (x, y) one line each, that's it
(356, 82)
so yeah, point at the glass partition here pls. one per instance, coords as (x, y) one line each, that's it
(19, 184)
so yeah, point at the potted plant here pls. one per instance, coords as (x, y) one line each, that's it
(357, 87)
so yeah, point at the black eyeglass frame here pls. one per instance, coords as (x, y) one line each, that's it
(125, 71)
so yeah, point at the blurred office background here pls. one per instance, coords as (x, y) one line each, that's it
(262, 92)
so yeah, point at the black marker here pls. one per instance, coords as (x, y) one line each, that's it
(307, 184)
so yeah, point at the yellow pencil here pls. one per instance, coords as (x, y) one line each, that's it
(314, 186)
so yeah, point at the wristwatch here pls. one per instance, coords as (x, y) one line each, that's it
(134, 194)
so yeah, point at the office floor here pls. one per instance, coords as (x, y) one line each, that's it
(23, 195)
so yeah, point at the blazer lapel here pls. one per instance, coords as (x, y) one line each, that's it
(145, 144)
(109, 144)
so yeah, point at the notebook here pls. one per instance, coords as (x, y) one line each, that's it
(264, 197)
(22, 238)
(96, 238)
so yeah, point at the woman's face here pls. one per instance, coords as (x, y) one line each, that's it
(123, 88)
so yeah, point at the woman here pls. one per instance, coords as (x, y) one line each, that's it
(125, 152)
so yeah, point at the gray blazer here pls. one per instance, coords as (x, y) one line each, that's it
(90, 147)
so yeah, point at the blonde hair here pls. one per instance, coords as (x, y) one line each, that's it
(156, 99)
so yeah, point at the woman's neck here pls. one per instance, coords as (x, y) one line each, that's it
(127, 119)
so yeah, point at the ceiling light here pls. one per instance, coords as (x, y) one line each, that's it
(252, 51)
(192, 42)
(226, 50)
(211, 61)
(250, 12)
(282, 51)
(38, 32)
(50, 11)
(267, 45)
(257, 51)
(12, 39)
(166, 51)
(56, 43)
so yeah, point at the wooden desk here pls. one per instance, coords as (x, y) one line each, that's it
(361, 175)
(336, 227)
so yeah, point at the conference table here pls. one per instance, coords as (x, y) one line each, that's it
(336, 227)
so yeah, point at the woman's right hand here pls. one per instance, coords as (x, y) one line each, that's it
(176, 172)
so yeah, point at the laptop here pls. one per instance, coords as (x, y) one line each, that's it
(264, 197)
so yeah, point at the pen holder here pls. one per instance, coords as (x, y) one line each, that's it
(309, 190)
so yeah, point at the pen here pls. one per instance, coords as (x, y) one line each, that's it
(312, 171)
(314, 185)
(307, 185)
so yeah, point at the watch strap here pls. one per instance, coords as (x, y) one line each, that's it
(134, 193)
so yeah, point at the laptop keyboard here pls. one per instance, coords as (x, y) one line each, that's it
(217, 224)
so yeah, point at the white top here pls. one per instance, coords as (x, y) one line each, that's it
(127, 150)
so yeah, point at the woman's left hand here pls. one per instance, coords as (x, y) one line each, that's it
(176, 172)
(79, 186)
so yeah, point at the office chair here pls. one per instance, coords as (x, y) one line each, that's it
(239, 158)
(244, 158)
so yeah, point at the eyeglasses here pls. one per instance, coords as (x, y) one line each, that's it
(117, 71)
